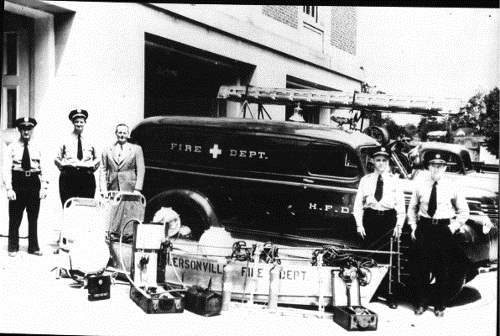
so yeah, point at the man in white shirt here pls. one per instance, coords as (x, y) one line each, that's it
(25, 185)
(379, 209)
(436, 211)
(77, 159)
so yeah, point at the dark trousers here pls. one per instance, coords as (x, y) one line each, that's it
(438, 255)
(76, 183)
(379, 226)
(27, 189)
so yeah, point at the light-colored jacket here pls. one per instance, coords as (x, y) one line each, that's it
(124, 173)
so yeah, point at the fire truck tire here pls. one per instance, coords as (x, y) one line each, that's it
(194, 209)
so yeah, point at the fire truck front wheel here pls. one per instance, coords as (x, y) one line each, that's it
(195, 212)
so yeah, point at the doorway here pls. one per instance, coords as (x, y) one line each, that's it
(183, 80)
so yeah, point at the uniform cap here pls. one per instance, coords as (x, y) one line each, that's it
(436, 158)
(78, 113)
(25, 122)
(381, 151)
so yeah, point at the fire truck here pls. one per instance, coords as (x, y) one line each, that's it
(291, 183)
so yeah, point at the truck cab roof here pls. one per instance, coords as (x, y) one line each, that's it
(354, 139)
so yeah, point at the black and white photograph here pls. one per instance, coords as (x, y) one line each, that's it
(228, 169)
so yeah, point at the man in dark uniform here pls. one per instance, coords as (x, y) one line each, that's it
(25, 184)
(77, 159)
(436, 211)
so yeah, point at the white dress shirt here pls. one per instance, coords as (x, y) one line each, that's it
(450, 202)
(393, 197)
(13, 157)
(67, 153)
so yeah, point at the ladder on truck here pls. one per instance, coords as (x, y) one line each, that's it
(363, 102)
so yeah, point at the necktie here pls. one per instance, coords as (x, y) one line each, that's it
(379, 189)
(120, 152)
(26, 161)
(79, 154)
(433, 201)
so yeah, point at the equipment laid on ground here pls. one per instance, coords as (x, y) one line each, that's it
(203, 301)
(99, 287)
(153, 302)
(352, 317)
(148, 239)
(82, 244)
(148, 253)
(121, 207)
(355, 318)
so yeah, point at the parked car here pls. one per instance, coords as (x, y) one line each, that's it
(280, 181)
(459, 165)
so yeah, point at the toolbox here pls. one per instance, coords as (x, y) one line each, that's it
(356, 318)
(99, 287)
(350, 317)
(161, 303)
(203, 301)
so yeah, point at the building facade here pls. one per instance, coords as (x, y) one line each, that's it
(123, 62)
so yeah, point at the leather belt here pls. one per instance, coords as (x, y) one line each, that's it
(380, 212)
(435, 221)
(77, 169)
(25, 173)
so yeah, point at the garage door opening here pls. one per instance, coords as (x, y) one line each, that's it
(183, 80)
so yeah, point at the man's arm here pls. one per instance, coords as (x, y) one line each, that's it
(103, 173)
(141, 168)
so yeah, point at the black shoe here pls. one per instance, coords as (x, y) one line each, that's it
(420, 310)
(439, 311)
(37, 253)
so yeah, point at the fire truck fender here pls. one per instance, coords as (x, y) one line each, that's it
(194, 209)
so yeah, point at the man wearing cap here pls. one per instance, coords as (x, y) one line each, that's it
(379, 207)
(77, 159)
(25, 184)
(437, 209)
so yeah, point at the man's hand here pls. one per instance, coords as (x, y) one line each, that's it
(11, 195)
(397, 231)
(413, 236)
(43, 193)
(361, 231)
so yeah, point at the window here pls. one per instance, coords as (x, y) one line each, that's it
(10, 53)
(311, 11)
(333, 161)
(11, 107)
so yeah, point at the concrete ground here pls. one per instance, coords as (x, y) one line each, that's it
(33, 301)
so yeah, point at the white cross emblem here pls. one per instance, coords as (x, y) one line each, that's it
(215, 151)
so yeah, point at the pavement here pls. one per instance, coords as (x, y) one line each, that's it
(33, 301)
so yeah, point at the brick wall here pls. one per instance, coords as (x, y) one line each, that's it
(285, 14)
(344, 29)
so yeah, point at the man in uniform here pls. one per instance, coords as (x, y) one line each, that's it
(437, 209)
(77, 159)
(25, 184)
(379, 207)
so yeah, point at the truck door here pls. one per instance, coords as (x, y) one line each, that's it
(329, 191)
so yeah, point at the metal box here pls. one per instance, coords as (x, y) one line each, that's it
(99, 287)
(356, 318)
(171, 302)
(203, 302)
